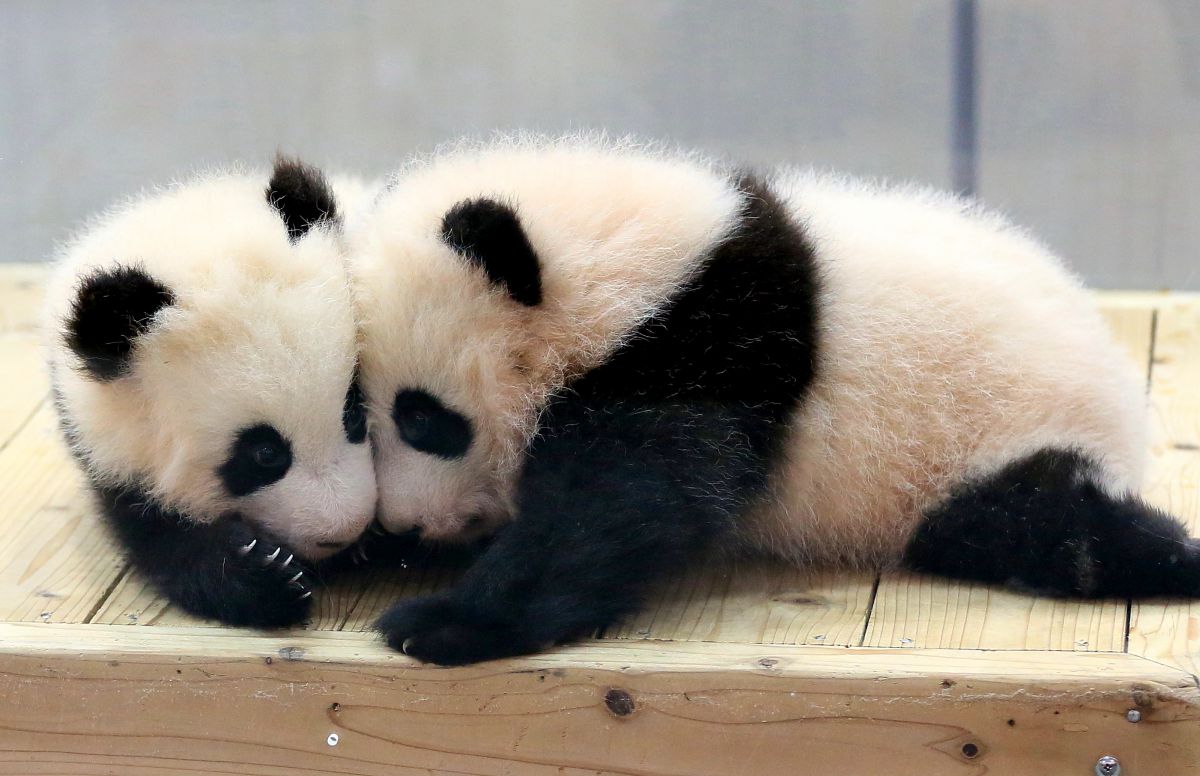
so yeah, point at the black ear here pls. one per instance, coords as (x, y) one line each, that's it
(489, 234)
(112, 307)
(301, 195)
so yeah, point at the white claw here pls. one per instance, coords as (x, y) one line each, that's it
(246, 550)
(306, 595)
(271, 558)
(284, 565)
(293, 580)
(404, 646)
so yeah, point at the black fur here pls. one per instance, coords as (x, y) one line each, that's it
(645, 460)
(202, 568)
(112, 307)
(302, 196)
(1041, 525)
(489, 234)
(429, 426)
(354, 412)
(259, 457)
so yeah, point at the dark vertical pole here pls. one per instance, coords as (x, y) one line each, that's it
(964, 132)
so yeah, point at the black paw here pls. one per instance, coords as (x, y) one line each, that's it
(251, 580)
(438, 629)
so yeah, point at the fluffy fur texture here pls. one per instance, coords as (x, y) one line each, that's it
(202, 352)
(952, 344)
(489, 234)
(823, 369)
(1043, 524)
(596, 217)
(301, 195)
(112, 309)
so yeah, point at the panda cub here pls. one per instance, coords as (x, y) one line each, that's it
(618, 357)
(202, 352)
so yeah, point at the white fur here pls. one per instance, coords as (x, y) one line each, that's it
(619, 229)
(951, 343)
(262, 330)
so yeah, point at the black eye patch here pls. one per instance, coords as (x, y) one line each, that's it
(427, 425)
(260, 456)
(354, 412)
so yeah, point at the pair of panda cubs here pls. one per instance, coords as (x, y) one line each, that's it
(609, 357)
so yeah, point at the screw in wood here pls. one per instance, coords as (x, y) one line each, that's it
(1108, 766)
(333, 739)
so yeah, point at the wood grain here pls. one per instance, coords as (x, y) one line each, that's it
(56, 561)
(756, 602)
(384, 587)
(21, 292)
(1175, 385)
(1170, 631)
(25, 384)
(171, 701)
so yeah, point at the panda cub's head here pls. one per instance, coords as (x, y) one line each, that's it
(203, 349)
(486, 279)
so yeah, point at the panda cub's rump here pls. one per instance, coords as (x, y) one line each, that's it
(627, 356)
(953, 345)
(202, 351)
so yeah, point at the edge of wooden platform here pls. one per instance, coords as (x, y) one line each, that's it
(87, 699)
(83, 642)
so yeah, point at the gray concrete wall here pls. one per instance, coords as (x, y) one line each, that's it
(1088, 126)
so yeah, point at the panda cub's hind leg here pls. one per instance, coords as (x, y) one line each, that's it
(1042, 524)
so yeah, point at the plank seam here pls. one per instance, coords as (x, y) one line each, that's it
(862, 637)
(1149, 384)
(16, 432)
(108, 591)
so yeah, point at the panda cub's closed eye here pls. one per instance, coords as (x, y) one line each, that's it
(260, 456)
(429, 426)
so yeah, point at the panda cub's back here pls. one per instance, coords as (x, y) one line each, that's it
(950, 344)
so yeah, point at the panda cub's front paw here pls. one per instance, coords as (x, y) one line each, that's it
(439, 629)
(258, 581)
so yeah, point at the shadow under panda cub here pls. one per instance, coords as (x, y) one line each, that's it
(203, 364)
(654, 356)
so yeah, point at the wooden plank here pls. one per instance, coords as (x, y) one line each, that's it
(97, 699)
(1170, 631)
(21, 291)
(134, 602)
(756, 602)
(925, 612)
(384, 587)
(25, 383)
(1175, 388)
(1132, 325)
(56, 561)
(1144, 299)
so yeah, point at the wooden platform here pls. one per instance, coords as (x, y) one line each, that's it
(769, 671)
